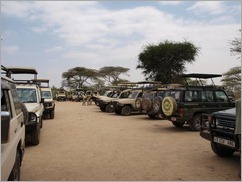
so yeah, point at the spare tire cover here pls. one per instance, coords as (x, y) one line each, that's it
(169, 106)
(138, 103)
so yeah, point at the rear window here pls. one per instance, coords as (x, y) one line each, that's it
(176, 94)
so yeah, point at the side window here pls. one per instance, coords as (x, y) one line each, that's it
(210, 96)
(5, 102)
(15, 99)
(221, 96)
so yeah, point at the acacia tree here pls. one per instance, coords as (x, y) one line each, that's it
(165, 61)
(76, 77)
(232, 80)
(111, 74)
(236, 46)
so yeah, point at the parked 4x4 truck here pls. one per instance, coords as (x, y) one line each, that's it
(186, 104)
(220, 129)
(46, 93)
(12, 131)
(30, 94)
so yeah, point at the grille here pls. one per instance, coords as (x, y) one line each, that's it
(226, 123)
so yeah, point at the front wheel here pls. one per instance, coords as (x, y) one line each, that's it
(221, 150)
(109, 108)
(15, 173)
(195, 123)
(126, 110)
(35, 136)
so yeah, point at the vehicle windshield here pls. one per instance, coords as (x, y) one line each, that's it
(133, 95)
(27, 95)
(46, 94)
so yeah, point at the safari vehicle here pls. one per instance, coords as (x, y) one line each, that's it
(106, 104)
(30, 94)
(184, 105)
(12, 131)
(61, 95)
(46, 93)
(219, 128)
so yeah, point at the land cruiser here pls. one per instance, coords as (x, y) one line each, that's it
(219, 128)
(186, 104)
(29, 93)
(12, 131)
(127, 106)
(61, 95)
(46, 93)
(106, 105)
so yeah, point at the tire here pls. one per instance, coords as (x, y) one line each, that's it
(169, 106)
(35, 136)
(221, 151)
(178, 125)
(15, 173)
(157, 105)
(41, 122)
(138, 104)
(52, 114)
(152, 116)
(126, 110)
(25, 112)
(195, 123)
(109, 108)
(103, 108)
(146, 104)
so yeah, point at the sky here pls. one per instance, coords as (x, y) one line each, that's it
(55, 36)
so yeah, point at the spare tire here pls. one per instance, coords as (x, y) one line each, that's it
(138, 103)
(157, 105)
(146, 104)
(169, 106)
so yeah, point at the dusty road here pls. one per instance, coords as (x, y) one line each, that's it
(83, 143)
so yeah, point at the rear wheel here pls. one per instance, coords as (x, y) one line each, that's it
(126, 110)
(103, 108)
(15, 173)
(221, 150)
(152, 116)
(109, 108)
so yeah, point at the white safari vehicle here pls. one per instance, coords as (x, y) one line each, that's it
(12, 131)
(46, 93)
(29, 93)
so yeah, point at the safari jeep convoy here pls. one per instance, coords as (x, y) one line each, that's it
(12, 131)
(29, 93)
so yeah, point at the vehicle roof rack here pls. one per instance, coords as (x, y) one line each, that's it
(22, 70)
(200, 76)
(42, 80)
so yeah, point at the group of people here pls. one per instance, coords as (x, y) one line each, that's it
(88, 97)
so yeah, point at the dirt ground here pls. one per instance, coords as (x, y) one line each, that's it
(84, 144)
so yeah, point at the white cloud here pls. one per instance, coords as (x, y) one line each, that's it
(172, 3)
(211, 7)
(10, 49)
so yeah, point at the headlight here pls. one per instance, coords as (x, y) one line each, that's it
(32, 117)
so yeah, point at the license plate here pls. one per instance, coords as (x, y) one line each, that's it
(224, 141)
(173, 118)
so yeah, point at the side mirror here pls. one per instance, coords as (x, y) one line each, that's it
(5, 124)
(42, 100)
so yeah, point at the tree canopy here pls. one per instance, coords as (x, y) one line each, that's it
(166, 61)
(76, 77)
(111, 74)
